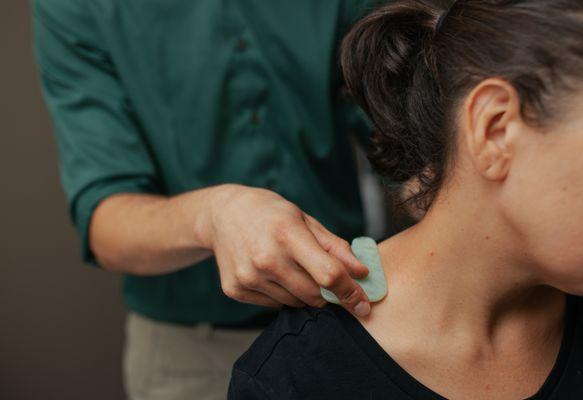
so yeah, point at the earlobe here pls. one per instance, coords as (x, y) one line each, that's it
(489, 113)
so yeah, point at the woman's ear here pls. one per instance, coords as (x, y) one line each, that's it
(491, 116)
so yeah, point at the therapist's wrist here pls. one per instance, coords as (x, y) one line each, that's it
(210, 203)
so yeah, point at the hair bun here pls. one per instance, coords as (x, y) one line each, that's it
(408, 64)
(381, 58)
(379, 49)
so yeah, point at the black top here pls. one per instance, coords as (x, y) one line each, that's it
(327, 354)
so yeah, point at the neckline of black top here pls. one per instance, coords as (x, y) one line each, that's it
(416, 389)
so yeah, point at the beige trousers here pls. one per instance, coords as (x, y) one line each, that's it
(172, 362)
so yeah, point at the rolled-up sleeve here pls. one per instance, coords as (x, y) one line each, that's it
(102, 150)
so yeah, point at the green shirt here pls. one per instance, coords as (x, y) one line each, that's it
(167, 96)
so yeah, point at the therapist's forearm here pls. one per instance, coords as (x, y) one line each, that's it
(149, 235)
(269, 252)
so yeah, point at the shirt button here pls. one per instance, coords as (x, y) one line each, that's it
(242, 45)
(255, 120)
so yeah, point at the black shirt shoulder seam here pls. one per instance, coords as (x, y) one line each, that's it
(312, 318)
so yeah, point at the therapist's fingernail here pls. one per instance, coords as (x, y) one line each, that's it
(362, 309)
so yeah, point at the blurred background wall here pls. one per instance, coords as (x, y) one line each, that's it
(61, 323)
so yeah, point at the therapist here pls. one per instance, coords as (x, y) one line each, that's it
(205, 154)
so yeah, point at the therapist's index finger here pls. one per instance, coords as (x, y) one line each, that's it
(328, 272)
(337, 247)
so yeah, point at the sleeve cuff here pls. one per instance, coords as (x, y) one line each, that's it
(84, 205)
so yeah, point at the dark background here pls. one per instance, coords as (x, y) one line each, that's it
(61, 323)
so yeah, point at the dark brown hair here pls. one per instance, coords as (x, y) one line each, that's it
(410, 62)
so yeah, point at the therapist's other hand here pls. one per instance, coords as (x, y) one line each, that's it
(271, 253)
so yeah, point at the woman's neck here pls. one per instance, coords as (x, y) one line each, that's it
(460, 276)
(466, 314)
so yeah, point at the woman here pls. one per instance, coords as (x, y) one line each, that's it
(482, 107)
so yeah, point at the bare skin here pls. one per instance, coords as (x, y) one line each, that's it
(268, 251)
(466, 338)
(477, 288)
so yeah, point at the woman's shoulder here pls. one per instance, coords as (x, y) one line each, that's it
(296, 335)
(298, 356)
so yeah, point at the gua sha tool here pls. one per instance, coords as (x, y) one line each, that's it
(375, 284)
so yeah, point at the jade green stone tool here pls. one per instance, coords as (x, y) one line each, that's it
(375, 284)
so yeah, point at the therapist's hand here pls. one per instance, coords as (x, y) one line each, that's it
(271, 253)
